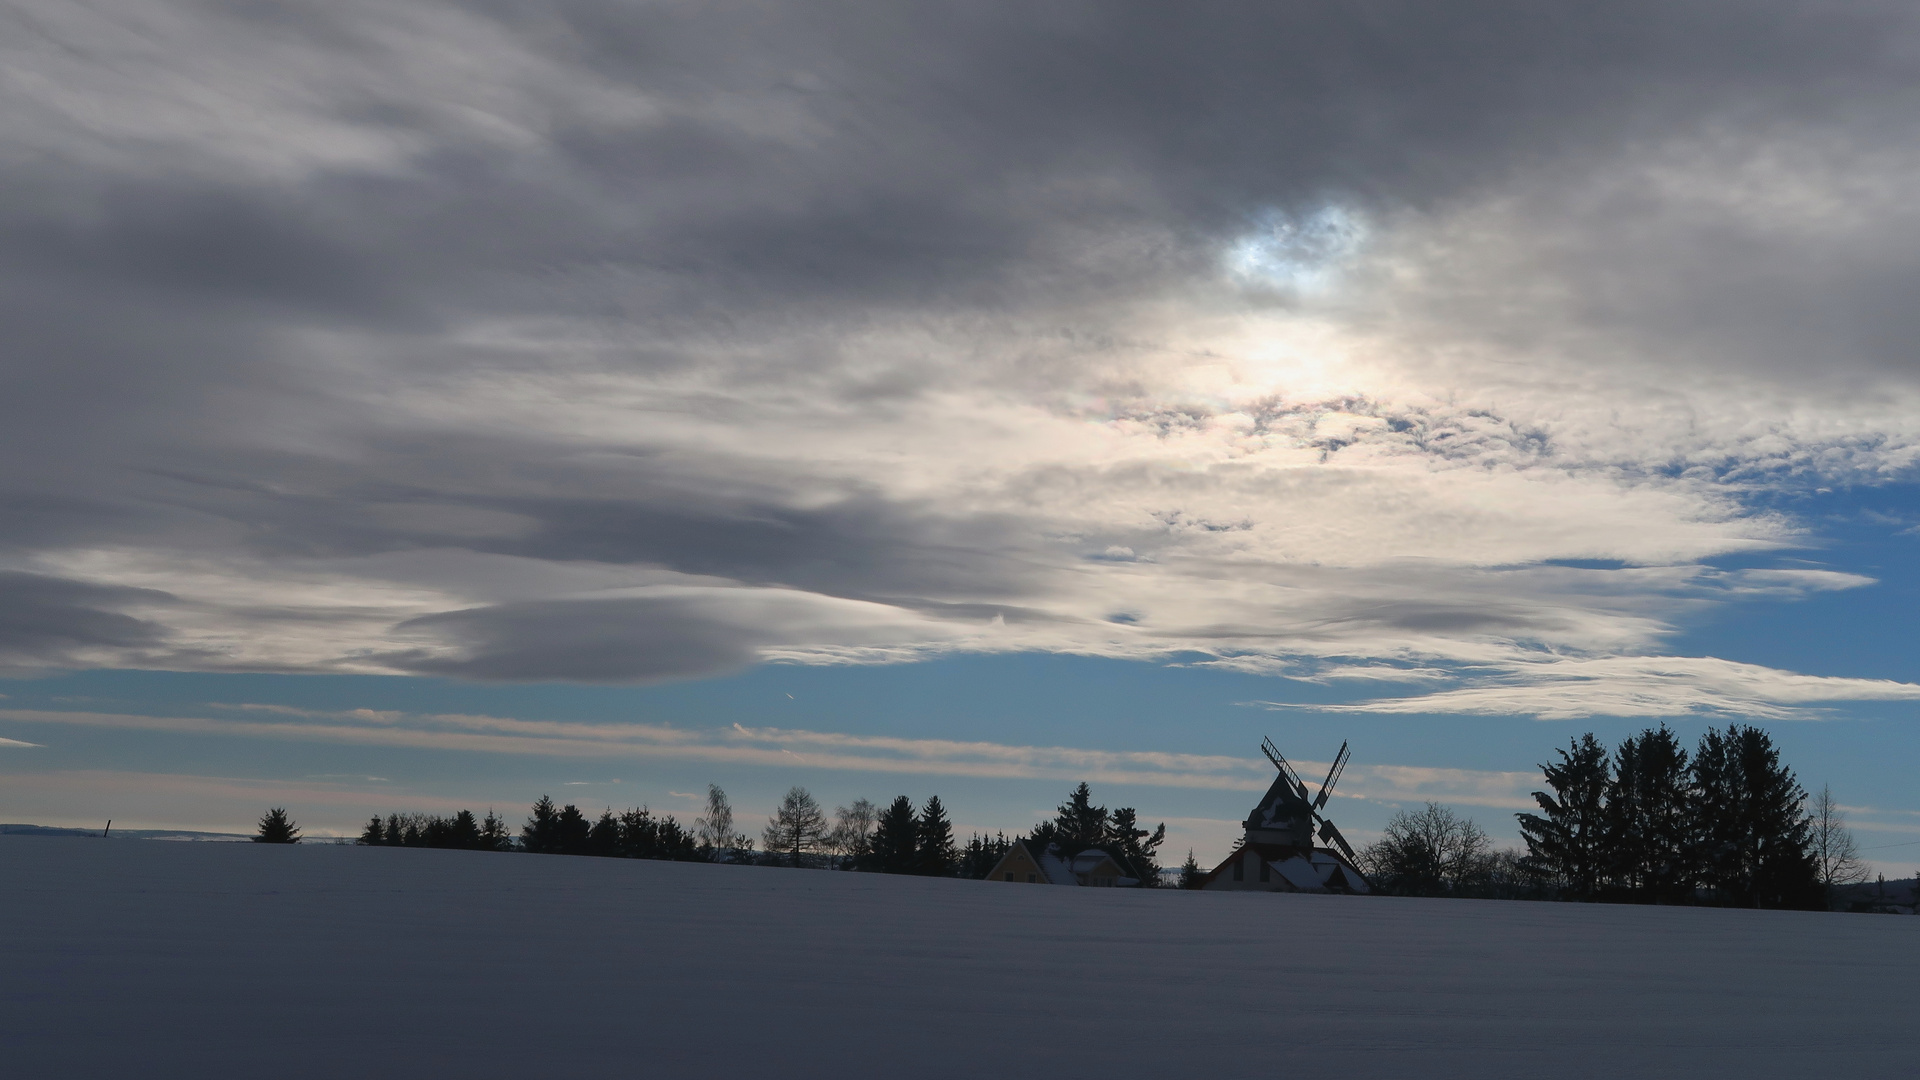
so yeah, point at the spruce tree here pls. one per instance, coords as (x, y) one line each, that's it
(277, 828)
(572, 829)
(896, 839)
(1567, 844)
(373, 833)
(1078, 824)
(1756, 842)
(935, 856)
(1650, 819)
(541, 833)
(1190, 872)
(604, 837)
(464, 831)
(493, 833)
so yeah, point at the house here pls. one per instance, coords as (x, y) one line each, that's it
(1027, 863)
(1285, 868)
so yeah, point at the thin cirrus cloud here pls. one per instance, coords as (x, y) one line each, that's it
(796, 748)
(602, 342)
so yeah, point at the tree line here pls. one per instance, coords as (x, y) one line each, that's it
(1650, 822)
(1727, 824)
(900, 839)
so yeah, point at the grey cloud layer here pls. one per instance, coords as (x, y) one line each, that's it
(626, 341)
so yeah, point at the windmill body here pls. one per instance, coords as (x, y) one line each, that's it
(1289, 846)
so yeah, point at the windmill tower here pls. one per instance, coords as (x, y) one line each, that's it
(1279, 852)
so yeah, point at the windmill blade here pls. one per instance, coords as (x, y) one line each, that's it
(1286, 768)
(1333, 777)
(1329, 834)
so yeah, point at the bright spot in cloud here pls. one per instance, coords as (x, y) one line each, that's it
(1300, 253)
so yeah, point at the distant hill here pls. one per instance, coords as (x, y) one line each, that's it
(130, 834)
(1880, 895)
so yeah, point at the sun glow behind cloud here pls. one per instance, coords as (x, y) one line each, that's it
(821, 388)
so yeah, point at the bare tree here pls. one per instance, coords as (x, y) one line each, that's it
(852, 833)
(715, 827)
(1833, 847)
(1428, 852)
(796, 829)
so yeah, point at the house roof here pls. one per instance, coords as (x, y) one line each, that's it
(1321, 868)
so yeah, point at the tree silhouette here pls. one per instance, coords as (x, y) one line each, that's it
(1078, 824)
(796, 828)
(1756, 841)
(982, 853)
(494, 835)
(1134, 847)
(374, 833)
(1568, 844)
(1190, 872)
(934, 855)
(895, 838)
(277, 828)
(1835, 853)
(1428, 852)
(852, 833)
(1650, 819)
(541, 833)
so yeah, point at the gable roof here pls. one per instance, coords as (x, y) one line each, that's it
(1321, 869)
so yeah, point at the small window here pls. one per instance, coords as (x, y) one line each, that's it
(1009, 875)
(1031, 879)
(1266, 871)
(1239, 870)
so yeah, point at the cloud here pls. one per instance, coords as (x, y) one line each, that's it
(797, 748)
(48, 621)
(1563, 688)
(613, 343)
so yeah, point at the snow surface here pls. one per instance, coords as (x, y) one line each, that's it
(137, 958)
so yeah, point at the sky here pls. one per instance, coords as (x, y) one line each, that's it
(412, 405)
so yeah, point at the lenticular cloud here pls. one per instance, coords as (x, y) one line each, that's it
(603, 343)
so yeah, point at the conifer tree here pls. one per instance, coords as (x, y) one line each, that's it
(541, 833)
(1568, 844)
(604, 837)
(1650, 817)
(1190, 872)
(935, 855)
(373, 833)
(1756, 839)
(493, 833)
(277, 828)
(572, 830)
(1134, 847)
(1079, 824)
(895, 838)
(460, 831)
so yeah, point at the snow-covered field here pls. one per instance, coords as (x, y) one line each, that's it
(148, 959)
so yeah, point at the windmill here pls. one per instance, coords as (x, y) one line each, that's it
(1326, 831)
(1279, 852)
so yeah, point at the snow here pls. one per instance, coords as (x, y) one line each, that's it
(136, 958)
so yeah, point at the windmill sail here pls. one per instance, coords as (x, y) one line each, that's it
(1329, 834)
(1333, 777)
